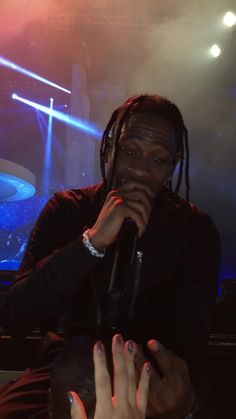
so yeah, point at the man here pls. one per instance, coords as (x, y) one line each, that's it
(72, 268)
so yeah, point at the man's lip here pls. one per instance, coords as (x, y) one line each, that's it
(139, 181)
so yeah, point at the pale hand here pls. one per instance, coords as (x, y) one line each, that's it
(129, 400)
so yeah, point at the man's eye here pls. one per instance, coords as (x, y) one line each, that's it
(159, 160)
(128, 151)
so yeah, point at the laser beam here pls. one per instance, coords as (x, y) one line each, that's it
(12, 66)
(48, 152)
(75, 122)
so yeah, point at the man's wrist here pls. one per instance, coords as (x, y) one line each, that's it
(193, 413)
(90, 247)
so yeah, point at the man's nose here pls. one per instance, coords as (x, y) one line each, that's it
(140, 168)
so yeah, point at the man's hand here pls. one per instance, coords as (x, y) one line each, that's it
(170, 392)
(133, 201)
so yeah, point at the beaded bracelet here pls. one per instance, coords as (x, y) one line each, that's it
(87, 243)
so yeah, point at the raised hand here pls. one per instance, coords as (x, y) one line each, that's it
(132, 200)
(129, 401)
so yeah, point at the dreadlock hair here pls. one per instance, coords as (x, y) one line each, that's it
(162, 107)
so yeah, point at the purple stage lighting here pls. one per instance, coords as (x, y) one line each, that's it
(6, 63)
(75, 122)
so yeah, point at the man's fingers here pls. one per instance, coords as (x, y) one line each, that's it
(124, 208)
(102, 379)
(162, 356)
(77, 408)
(137, 196)
(143, 387)
(139, 208)
(127, 211)
(132, 185)
(171, 366)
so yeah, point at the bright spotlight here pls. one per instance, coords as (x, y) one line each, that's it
(229, 19)
(215, 51)
(15, 67)
(73, 121)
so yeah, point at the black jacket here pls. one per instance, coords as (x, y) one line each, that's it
(176, 291)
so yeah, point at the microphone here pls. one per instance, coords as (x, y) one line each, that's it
(126, 247)
(122, 275)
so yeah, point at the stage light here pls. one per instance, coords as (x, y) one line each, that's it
(75, 122)
(12, 66)
(48, 152)
(215, 50)
(43, 125)
(229, 19)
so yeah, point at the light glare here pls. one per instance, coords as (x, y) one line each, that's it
(6, 63)
(215, 50)
(229, 19)
(75, 122)
(48, 152)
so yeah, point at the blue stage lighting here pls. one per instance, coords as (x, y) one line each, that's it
(42, 124)
(15, 189)
(16, 222)
(6, 63)
(16, 182)
(48, 152)
(77, 123)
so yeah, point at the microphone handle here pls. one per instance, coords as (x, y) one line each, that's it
(125, 255)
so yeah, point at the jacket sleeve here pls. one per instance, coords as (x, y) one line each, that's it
(196, 296)
(55, 264)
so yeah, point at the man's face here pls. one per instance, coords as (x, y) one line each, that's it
(147, 151)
